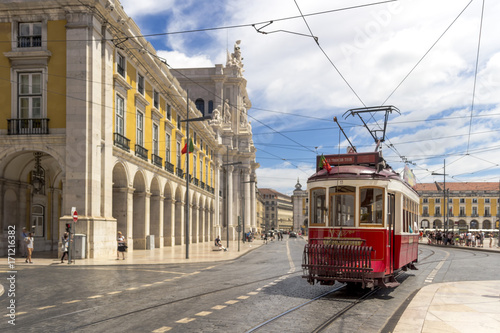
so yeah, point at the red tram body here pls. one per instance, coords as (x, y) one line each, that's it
(362, 222)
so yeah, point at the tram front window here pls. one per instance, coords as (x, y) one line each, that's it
(342, 206)
(371, 205)
(318, 206)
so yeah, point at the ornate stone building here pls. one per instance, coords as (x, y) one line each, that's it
(93, 119)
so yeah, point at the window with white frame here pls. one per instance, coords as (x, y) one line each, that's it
(140, 129)
(29, 34)
(155, 139)
(194, 166)
(169, 112)
(179, 166)
(140, 84)
(30, 95)
(167, 147)
(178, 122)
(156, 99)
(462, 211)
(120, 64)
(201, 169)
(120, 115)
(206, 173)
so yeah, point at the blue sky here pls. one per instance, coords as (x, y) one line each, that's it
(419, 56)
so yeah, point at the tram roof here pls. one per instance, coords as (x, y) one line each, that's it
(361, 166)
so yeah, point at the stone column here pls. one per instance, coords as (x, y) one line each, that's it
(130, 219)
(169, 226)
(160, 241)
(230, 201)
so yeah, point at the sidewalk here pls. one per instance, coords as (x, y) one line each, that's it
(456, 307)
(198, 252)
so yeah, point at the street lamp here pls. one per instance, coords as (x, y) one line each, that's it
(444, 189)
(187, 121)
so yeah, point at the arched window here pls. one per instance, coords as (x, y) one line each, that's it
(200, 105)
(210, 107)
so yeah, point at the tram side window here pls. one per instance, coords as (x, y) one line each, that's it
(371, 205)
(318, 206)
(342, 206)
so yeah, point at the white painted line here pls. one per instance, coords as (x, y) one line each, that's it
(219, 307)
(95, 296)
(73, 301)
(46, 307)
(243, 297)
(185, 320)
(114, 292)
(231, 302)
(162, 329)
(253, 293)
(203, 313)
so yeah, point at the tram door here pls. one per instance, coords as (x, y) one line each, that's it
(391, 214)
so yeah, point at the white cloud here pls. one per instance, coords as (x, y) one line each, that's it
(374, 48)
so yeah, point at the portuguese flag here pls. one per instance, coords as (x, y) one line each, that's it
(323, 164)
(191, 147)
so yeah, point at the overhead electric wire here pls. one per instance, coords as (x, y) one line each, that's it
(425, 54)
(475, 74)
(326, 55)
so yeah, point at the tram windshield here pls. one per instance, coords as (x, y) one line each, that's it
(342, 206)
(371, 205)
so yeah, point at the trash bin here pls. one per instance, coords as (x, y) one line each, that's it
(79, 244)
(150, 242)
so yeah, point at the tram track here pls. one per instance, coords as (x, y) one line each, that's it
(147, 308)
(332, 318)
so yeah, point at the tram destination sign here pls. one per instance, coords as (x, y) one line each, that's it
(350, 159)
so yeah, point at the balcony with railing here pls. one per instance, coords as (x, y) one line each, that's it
(157, 160)
(121, 142)
(169, 167)
(28, 126)
(141, 152)
(202, 185)
(196, 181)
(179, 172)
(29, 41)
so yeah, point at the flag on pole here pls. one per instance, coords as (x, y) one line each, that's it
(323, 163)
(191, 147)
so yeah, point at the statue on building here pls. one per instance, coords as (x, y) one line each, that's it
(227, 112)
(216, 119)
(243, 116)
(234, 59)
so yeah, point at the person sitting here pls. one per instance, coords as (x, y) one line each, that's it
(218, 243)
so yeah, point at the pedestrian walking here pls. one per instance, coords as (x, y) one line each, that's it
(122, 246)
(23, 249)
(30, 240)
(65, 247)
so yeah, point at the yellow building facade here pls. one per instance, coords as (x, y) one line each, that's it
(467, 205)
(94, 121)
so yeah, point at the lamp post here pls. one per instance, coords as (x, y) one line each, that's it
(187, 121)
(444, 190)
(227, 194)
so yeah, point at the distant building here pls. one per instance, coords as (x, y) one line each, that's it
(261, 211)
(300, 208)
(279, 210)
(470, 205)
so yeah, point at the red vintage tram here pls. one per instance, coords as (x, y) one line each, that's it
(362, 222)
